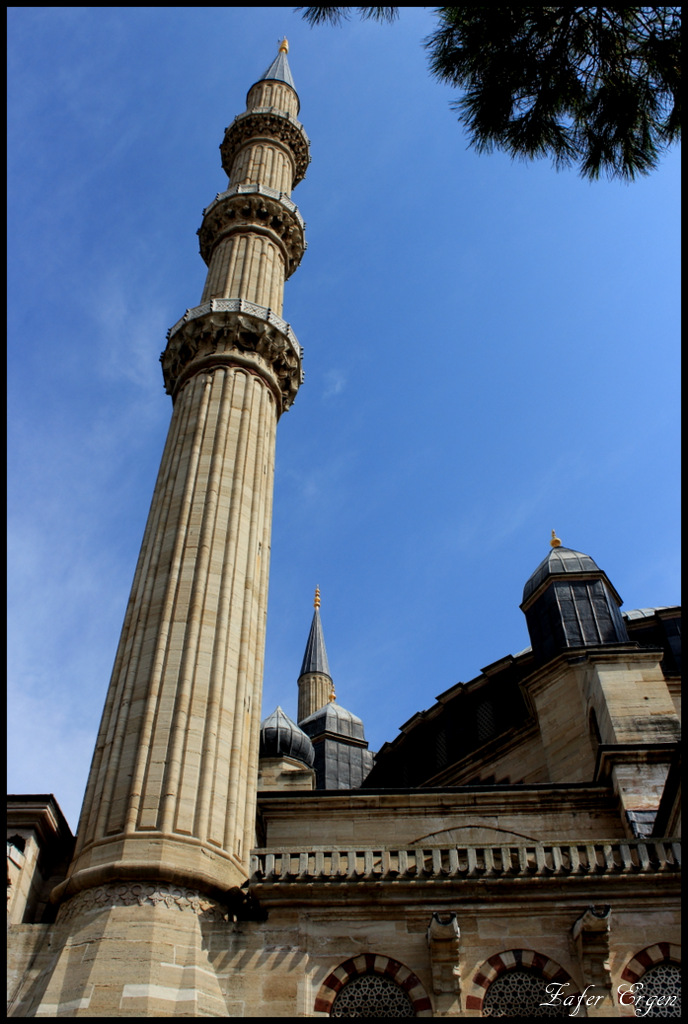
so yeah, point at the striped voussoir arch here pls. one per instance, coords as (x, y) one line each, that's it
(373, 963)
(526, 959)
(659, 953)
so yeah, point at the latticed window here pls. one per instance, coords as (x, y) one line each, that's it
(485, 721)
(660, 995)
(372, 995)
(520, 993)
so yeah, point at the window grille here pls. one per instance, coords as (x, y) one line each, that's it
(520, 993)
(658, 983)
(371, 995)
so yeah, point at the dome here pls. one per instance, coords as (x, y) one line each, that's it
(280, 737)
(560, 560)
(333, 718)
(569, 602)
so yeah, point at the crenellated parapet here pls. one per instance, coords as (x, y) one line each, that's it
(234, 332)
(259, 209)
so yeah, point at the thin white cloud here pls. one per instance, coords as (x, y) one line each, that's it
(335, 382)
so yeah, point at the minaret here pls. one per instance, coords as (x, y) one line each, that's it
(342, 759)
(315, 682)
(171, 794)
(169, 813)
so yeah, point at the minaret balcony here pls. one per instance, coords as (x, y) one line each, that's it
(273, 125)
(256, 208)
(234, 332)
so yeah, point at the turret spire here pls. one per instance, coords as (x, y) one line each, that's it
(315, 656)
(315, 681)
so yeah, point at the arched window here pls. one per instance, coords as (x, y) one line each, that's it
(372, 995)
(521, 993)
(522, 983)
(372, 985)
(654, 981)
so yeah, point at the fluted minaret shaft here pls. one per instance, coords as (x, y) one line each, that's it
(172, 789)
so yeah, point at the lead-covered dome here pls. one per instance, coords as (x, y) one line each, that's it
(334, 719)
(560, 560)
(280, 737)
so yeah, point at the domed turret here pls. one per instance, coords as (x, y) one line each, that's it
(280, 737)
(569, 602)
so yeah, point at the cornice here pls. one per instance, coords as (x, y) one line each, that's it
(41, 814)
(234, 332)
(537, 798)
(574, 657)
(274, 125)
(611, 755)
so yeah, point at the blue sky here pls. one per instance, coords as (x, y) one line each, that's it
(491, 351)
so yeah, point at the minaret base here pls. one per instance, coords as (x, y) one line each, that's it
(134, 950)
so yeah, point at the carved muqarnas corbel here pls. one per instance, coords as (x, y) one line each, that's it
(266, 122)
(239, 212)
(232, 339)
(443, 937)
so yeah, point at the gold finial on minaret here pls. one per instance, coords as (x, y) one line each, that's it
(284, 46)
(555, 542)
(316, 602)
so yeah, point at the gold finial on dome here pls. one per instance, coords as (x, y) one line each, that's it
(284, 46)
(555, 542)
(333, 695)
(316, 602)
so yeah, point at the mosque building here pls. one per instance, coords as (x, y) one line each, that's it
(513, 852)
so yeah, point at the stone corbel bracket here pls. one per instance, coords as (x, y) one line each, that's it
(241, 209)
(233, 332)
(443, 937)
(273, 125)
(590, 935)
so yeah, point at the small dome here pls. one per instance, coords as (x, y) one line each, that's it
(280, 737)
(333, 718)
(559, 560)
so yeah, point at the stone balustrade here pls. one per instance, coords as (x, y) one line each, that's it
(239, 306)
(258, 190)
(618, 857)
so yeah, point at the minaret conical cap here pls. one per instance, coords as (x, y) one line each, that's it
(279, 70)
(315, 657)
